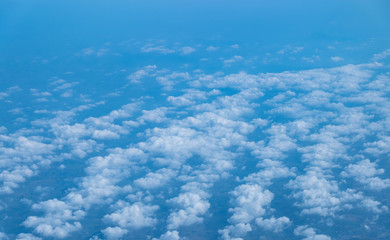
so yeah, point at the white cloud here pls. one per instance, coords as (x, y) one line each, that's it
(87, 52)
(27, 236)
(133, 216)
(187, 50)
(137, 76)
(156, 115)
(303, 126)
(382, 55)
(274, 224)
(321, 196)
(365, 172)
(158, 49)
(337, 59)
(191, 206)
(212, 48)
(113, 233)
(56, 221)
(233, 59)
(168, 81)
(250, 201)
(169, 235)
(155, 180)
(373, 206)
(309, 233)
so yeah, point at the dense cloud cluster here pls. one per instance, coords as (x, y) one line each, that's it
(272, 153)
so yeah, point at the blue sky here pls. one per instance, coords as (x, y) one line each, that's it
(178, 120)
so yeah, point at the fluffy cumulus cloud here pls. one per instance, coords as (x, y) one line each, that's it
(191, 207)
(365, 172)
(274, 224)
(59, 221)
(169, 235)
(27, 236)
(113, 233)
(309, 233)
(250, 202)
(136, 215)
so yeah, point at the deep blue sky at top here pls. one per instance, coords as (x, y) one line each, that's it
(43, 26)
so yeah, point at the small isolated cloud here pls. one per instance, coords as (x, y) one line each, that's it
(187, 50)
(156, 49)
(290, 50)
(65, 86)
(9, 91)
(235, 46)
(233, 60)
(212, 48)
(87, 52)
(337, 59)
(92, 52)
(311, 59)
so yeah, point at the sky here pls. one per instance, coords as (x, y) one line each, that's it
(181, 120)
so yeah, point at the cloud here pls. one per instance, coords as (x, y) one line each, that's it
(253, 131)
(373, 206)
(168, 81)
(382, 55)
(154, 180)
(212, 48)
(290, 50)
(87, 52)
(9, 91)
(187, 50)
(56, 221)
(232, 60)
(114, 233)
(149, 48)
(274, 224)
(365, 172)
(169, 235)
(3, 236)
(65, 86)
(309, 233)
(337, 59)
(133, 216)
(250, 201)
(27, 236)
(156, 115)
(381, 146)
(191, 206)
(142, 73)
